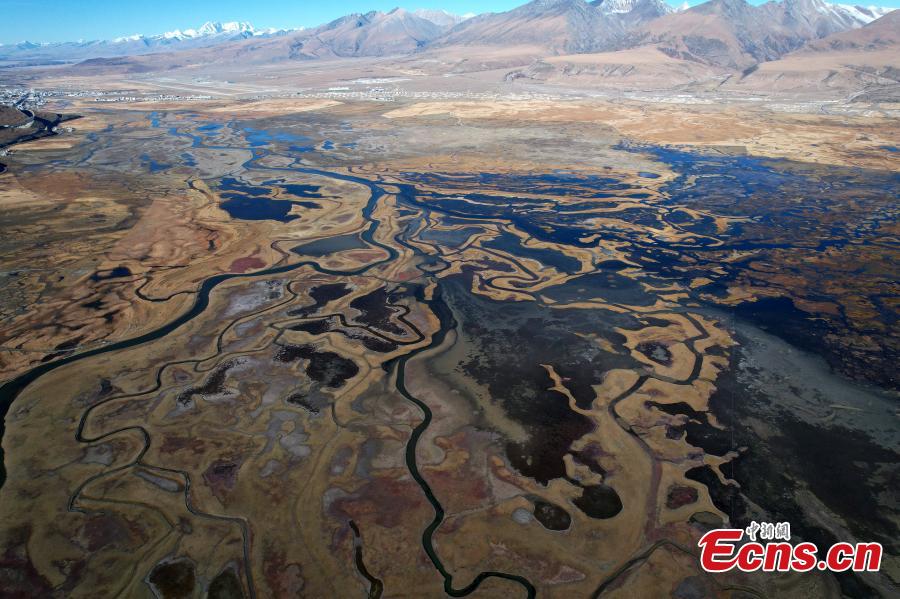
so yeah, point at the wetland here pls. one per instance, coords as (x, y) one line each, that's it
(331, 353)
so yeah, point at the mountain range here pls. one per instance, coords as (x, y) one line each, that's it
(723, 32)
(209, 34)
(735, 34)
(378, 32)
(542, 40)
(883, 33)
(371, 34)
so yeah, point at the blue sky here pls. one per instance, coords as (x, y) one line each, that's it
(65, 20)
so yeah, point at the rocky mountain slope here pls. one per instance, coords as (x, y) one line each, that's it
(372, 34)
(864, 63)
(558, 26)
(735, 34)
(881, 34)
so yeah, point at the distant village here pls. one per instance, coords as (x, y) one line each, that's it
(33, 99)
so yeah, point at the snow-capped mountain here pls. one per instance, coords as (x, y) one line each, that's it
(208, 34)
(819, 18)
(441, 18)
(558, 26)
(620, 7)
(721, 32)
(210, 28)
(863, 14)
(737, 34)
(855, 12)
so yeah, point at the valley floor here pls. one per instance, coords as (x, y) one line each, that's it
(332, 336)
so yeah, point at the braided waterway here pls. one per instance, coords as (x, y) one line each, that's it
(10, 390)
(694, 245)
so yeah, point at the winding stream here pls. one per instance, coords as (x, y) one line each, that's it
(11, 389)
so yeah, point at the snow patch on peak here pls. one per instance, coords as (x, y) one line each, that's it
(440, 17)
(211, 28)
(618, 7)
(865, 14)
